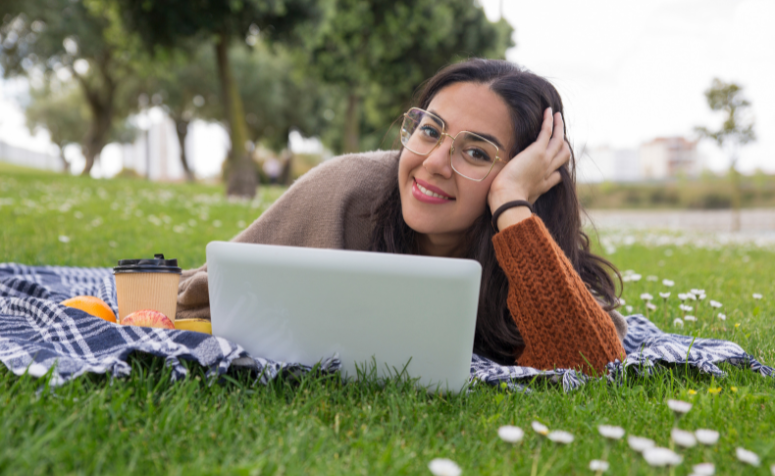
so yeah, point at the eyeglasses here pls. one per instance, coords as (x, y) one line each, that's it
(471, 155)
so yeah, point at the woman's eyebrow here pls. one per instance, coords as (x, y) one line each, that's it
(486, 136)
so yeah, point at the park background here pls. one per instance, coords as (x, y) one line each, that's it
(333, 79)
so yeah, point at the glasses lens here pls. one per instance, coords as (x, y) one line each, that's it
(421, 131)
(473, 156)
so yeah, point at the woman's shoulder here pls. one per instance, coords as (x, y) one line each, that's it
(354, 170)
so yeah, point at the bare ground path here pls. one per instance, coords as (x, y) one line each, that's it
(752, 221)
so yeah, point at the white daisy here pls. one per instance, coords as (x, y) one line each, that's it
(706, 437)
(539, 428)
(678, 322)
(690, 318)
(683, 438)
(646, 297)
(652, 278)
(444, 467)
(559, 436)
(722, 316)
(715, 304)
(662, 457)
(748, 457)
(64, 239)
(610, 431)
(651, 306)
(664, 295)
(668, 283)
(704, 469)
(511, 434)
(639, 443)
(757, 296)
(679, 406)
(598, 465)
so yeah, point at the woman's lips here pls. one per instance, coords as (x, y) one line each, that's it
(421, 196)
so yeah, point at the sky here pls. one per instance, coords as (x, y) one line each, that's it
(627, 72)
(630, 71)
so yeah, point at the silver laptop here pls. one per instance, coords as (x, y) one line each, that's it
(397, 312)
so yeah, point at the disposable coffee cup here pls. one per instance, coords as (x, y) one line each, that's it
(147, 284)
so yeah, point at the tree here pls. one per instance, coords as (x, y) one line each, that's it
(380, 51)
(188, 88)
(169, 24)
(65, 114)
(41, 37)
(735, 131)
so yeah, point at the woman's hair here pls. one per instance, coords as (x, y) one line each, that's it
(527, 96)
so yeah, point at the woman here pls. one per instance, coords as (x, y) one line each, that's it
(486, 139)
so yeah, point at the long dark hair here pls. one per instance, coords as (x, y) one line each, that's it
(527, 95)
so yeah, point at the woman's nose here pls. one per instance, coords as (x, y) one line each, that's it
(438, 161)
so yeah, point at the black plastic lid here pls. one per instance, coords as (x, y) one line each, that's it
(156, 265)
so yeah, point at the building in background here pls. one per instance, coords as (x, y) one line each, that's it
(605, 164)
(663, 158)
(156, 152)
(28, 158)
(669, 157)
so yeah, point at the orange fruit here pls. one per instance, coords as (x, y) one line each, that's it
(91, 305)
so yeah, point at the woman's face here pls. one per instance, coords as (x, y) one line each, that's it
(463, 107)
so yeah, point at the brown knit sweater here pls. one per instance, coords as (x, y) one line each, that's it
(560, 321)
(329, 208)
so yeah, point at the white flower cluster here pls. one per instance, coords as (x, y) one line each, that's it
(652, 454)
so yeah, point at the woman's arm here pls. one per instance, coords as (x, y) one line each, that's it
(560, 321)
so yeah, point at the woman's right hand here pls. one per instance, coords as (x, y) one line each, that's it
(533, 171)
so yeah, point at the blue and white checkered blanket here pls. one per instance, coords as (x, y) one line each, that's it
(41, 337)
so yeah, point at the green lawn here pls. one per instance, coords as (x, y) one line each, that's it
(146, 425)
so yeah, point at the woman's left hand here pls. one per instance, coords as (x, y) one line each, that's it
(534, 170)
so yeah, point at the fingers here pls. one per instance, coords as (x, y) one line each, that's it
(558, 137)
(561, 158)
(553, 179)
(546, 129)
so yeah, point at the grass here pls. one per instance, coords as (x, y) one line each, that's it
(145, 424)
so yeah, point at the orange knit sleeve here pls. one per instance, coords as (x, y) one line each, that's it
(562, 324)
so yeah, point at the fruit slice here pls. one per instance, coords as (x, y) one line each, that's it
(148, 318)
(91, 305)
(196, 325)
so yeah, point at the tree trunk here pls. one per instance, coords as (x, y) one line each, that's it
(181, 128)
(95, 139)
(352, 124)
(286, 176)
(241, 177)
(100, 101)
(65, 163)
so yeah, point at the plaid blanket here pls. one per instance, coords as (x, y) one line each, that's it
(41, 337)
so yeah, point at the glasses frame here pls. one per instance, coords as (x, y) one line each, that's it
(452, 146)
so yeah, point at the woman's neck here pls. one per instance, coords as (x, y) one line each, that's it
(446, 246)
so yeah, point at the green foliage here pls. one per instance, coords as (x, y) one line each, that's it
(707, 193)
(146, 424)
(728, 98)
(65, 115)
(45, 36)
(277, 95)
(380, 51)
(166, 25)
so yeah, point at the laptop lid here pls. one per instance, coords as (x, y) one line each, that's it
(293, 304)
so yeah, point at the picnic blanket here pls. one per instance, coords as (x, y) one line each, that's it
(40, 337)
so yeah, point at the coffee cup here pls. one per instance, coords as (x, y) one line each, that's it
(147, 284)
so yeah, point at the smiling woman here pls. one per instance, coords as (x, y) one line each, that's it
(486, 139)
